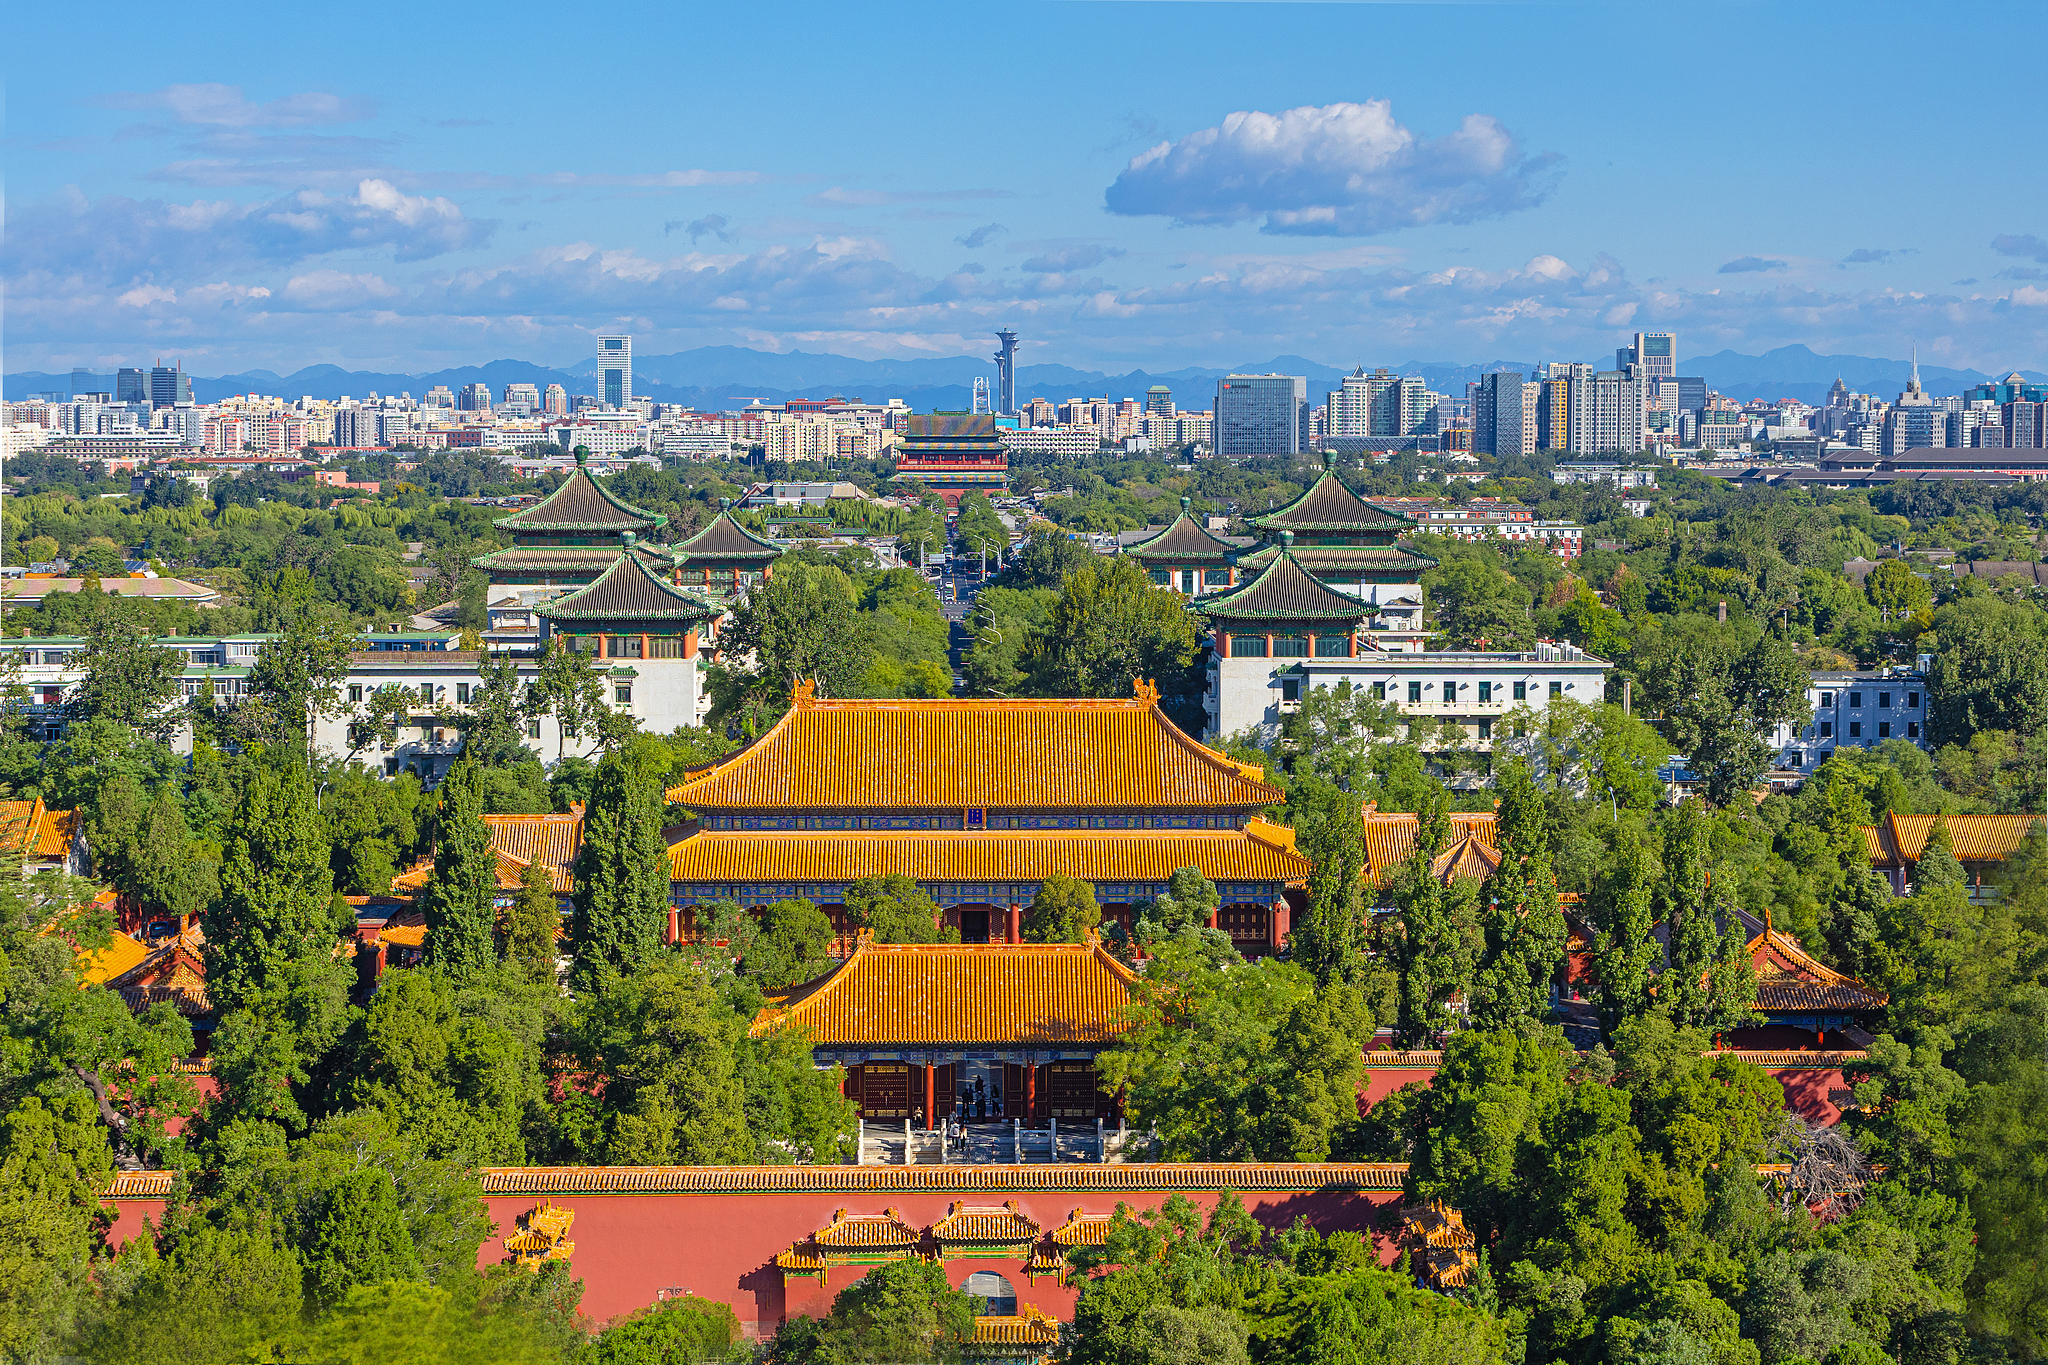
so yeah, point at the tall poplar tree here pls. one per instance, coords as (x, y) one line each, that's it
(530, 929)
(1625, 950)
(1709, 982)
(622, 872)
(1525, 933)
(460, 917)
(1330, 940)
(1433, 960)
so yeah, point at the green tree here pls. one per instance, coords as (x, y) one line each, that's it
(978, 529)
(197, 1291)
(803, 622)
(895, 909)
(55, 1160)
(1434, 957)
(1525, 931)
(127, 679)
(1330, 940)
(1894, 587)
(1990, 670)
(1063, 910)
(791, 943)
(1110, 628)
(360, 1238)
(458, 899)
(533, 924)
(658, 1047)
(297, 677)
(1623, 947)
(902, 1311)
(622, 870)
(569, 686)
(1476, 606)
(1044, 558)
(1709, 982)
(1721, 690)
(679, 1330)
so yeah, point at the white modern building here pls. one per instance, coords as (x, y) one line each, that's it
(615, 371)
(1856, 711)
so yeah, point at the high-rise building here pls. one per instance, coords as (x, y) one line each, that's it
(2014, 387)
(1497, 408)
(1348, 407)
(523, 395)
(1159, 401)
(474, 398)
(169, 386)
(131, 385)
(1915, 422)
(1606, 413)
(2026, 424)
(1653, 354)
(555, 401)
(615, 370)
(1260, 415)
(1006, 372)
(440, 396)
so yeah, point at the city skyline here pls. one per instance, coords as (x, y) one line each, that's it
(1174, 190)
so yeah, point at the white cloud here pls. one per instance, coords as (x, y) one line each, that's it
(1344, 170)
(335, 289)
(224, 106)
(143, 295)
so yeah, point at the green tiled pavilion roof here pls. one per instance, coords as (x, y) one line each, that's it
(1329, 506)
(629, 591)
(1284, 592)
(1182, 539)
(725, 538)
(581, 504)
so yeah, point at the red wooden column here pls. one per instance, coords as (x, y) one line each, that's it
(1031, 1092)
(1015, 931)
(1282, 914)
(675, 926)
(931, 1096)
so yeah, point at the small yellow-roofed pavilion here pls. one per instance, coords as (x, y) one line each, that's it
(915, 1023)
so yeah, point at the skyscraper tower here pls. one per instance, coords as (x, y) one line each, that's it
(615, 370)
(1006, 371)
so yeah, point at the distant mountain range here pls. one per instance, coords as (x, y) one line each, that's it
(713, 377)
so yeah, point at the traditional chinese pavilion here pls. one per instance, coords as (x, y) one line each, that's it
(631, 611)
(1188, 558)
(725, 557)
(928, 1031)
(980, 801)
(1796, 991)
(571, 536)
(1390, 841)
(953, 454)
(1343, 540)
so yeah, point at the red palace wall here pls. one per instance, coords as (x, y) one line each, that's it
(635, 1247)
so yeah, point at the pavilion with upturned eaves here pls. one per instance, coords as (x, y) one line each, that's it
(571, 536)
(723, 558)
(1187, 557)
(1343, 541)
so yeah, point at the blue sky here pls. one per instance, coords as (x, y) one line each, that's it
(1126, 182)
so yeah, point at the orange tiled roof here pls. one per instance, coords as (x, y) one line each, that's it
(121, 954)
(35, 831)
(1028, 1327)
(966, 1222)
(1469, 857)
(554, 839)
(866, 1230)
(1007, 855)
(950, 993)
(1137, 1178)
(1083, 1229)
(1789, 978)
(955, 755)
(1899, 840)
(173, 972)
(1390, 837)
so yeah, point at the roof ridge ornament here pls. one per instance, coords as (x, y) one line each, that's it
(804, 693)
(1145, 691)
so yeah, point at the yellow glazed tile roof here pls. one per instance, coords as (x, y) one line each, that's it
(1083, 1229)
(1390, 837)
(121, 954)
(34, 830)
(1789, 978)
(966, 1222)
(554, 839)
(1008, 855)
(1901, 839)
(1026, 1328)
(964, 994)
(955, 755)
(866, 1230)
